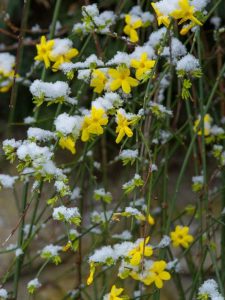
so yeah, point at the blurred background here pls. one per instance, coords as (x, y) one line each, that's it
(41, 14)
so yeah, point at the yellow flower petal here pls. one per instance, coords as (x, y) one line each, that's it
(133, 36)
(115, 85)
(126, 86)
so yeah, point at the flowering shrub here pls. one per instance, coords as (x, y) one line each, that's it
(119, 98)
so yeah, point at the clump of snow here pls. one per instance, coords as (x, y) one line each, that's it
(210, 288)
(29, 120)
(67, 213)
(108, 101)
(39, 134)
(188, 63)
(176, 50)
(156, 37)
(33, 151)
(7, 62)
(61, 46)
(7, 181)
(67, 124)
(199, 4)
(49, 90)
(3, 294)
(76, 194)
(119, 58)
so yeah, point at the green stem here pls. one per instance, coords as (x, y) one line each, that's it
(54, 19)
(36, 204)
(223, 233)
(202, 145)
(51, 35)
(178, 183)
(214, 263)
(19, 260)
(42, 268)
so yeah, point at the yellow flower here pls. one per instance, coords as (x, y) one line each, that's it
(92, 272)
(138, 252)
(142, 66)
(6, 88)
(131, 27)
(204, 296)
(162, 19)
(180, 236)
(43, 51)
(67, 246)
(151, 220)
(64, 58)
(114, 293)
(93, 123)
(121, 78)
(122, 127)
(157, 274)
(187, 28)
(67, 143)
(207, 125)
(185, 13)
(6, 79)
(190, 209)
(98, 81)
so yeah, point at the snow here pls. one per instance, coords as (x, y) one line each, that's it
(49, 90)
